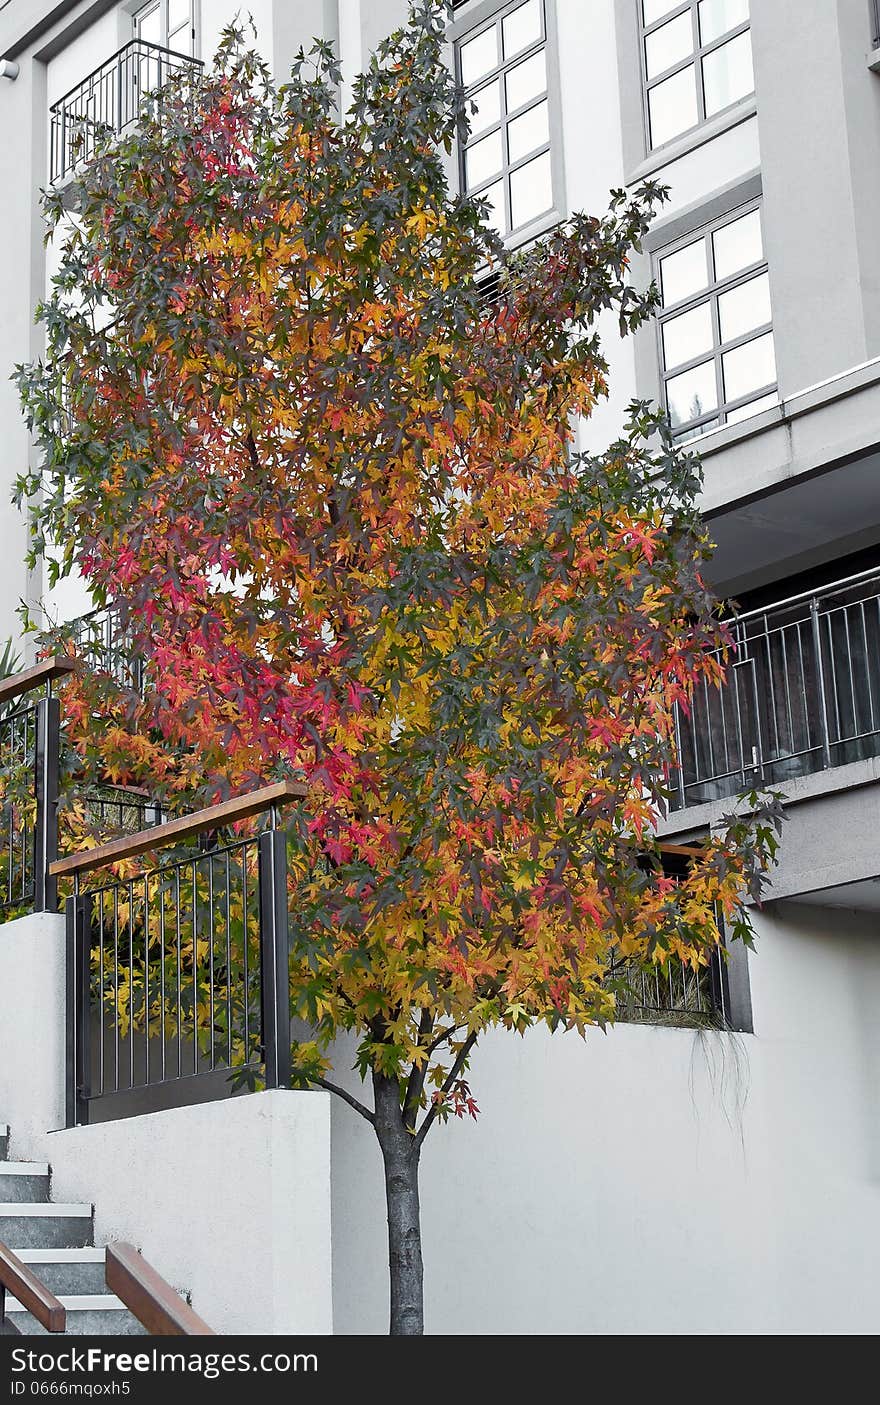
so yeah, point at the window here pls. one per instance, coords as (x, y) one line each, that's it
(716, 339)
(697, 60)
(168, 23)
(502, 65)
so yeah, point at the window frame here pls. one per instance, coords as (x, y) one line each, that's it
(715, 288)
(470, 19)
(138, 10)
(696, 57)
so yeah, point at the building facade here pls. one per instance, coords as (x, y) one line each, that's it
(664, 1178)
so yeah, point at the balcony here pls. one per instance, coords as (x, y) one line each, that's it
(802, 695)
(109, 100)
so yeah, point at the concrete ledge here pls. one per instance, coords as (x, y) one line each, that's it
(697, 819)
(829, 839)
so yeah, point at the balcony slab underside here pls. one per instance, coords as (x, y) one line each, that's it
(830, 849)
(798, 486)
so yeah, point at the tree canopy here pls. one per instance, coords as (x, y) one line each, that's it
(333, 492)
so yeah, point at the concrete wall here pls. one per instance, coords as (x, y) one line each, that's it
(653, 1181)
(230, 1200)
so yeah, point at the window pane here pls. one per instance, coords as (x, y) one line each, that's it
(749, 367)
(528, 132)
(149, 25)
(692, 394)
(656, 9)
(495, 196)
(738, 245)
(754, 407)
(673, 106)
(745, 308)
(687, 336)
(178, 14)
(531, 191)
(669, 44)
(684, 274)
(528, 80)
(521, 28)
(487, 101)
(180, 40)
(479, 56)
(719, 16)
(728, 74)
(482, 160)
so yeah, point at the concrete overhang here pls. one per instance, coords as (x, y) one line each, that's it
(796, 486)
(829, 854)
(24, 23)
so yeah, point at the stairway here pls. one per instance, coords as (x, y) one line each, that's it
(57, 1243)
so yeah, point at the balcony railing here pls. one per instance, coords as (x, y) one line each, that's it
(109, 100)
(802, 694)
(180, 972)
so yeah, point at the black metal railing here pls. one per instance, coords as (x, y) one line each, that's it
(182, 970)
(109, 100)
(875, 23)
(802, 694)
(106, 646)
(672, 994)
(29, 746)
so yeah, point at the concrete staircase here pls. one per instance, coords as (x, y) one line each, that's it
(57, 1243)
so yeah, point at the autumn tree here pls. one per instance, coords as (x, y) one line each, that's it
(332, 492)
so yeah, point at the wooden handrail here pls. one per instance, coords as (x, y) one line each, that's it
(30, 678)
(146, 840)
(17, 1278)
(145, 1293)
(685, 851)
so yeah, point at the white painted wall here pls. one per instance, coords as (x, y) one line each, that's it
(653, 1181)
(229, 1200)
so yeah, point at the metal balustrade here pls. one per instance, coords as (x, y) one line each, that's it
(106, 646)
(180, 971)
(802, 694)
(672, 994)
(29, 742)
(109, 100)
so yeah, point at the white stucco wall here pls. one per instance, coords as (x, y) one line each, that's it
(653, 1181)
(229, 1200)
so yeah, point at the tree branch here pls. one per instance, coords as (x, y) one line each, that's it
(346, 1097)
(450, 1079)
(416, 1080)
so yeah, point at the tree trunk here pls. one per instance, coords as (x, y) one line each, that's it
(402, 1198)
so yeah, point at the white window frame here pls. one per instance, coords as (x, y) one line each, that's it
(696, 57)
(139, 10)
(470, 18)
(715, 288)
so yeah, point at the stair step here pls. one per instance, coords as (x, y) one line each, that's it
(88, 1314)
(63, 1271)
(24, 1180)
(45, 1226)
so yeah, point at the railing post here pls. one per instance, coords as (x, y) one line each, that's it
(46, 790)
(820, 676)
(274, 959)
(78, 932)
(679, 760)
